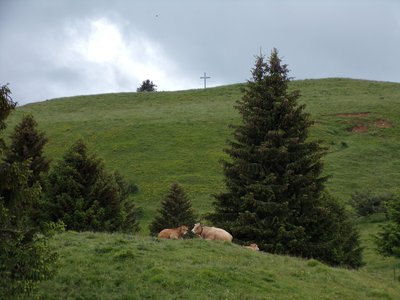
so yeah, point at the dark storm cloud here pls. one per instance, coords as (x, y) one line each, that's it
(61, 48)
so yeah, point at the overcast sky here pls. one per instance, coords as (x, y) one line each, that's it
(56, 48)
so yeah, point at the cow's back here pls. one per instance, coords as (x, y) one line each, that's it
(168, 234)
(214, 233)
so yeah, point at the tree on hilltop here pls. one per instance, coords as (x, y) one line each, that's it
(176, 210)
(275, 192)
(147, 86)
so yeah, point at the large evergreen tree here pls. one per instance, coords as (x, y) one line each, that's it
(27, 143)
(176, 210)
(274, 188)
(25, 256)
(82, 194)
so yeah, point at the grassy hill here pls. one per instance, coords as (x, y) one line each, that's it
(116, 266)
(155, 139)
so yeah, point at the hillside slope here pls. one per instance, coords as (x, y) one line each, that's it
(104, 266)
(155, 139)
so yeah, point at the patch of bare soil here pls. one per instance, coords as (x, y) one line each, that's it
(353, 115)
(359, 128)
(383, 123)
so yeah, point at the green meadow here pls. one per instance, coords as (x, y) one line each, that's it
(155, 139)
(116, 266)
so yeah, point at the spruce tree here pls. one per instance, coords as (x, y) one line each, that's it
(27, 143)
(176, 210)
(25, 255)
(274, 185)
(82, 194)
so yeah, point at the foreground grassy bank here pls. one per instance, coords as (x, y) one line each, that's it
(116, 266)
(154, 139)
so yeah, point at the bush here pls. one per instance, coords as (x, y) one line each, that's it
(388, 240)
(25, 255)
(367, 203)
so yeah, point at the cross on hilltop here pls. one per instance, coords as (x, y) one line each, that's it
(205, 77)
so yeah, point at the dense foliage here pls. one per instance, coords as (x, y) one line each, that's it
(388, 239)
(27, 143)
(147, 86)
(368, 203)
(25, 256)
(275, 191)
(82, 194)
(176, 210)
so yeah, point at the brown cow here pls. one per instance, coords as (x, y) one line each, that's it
(253, 247)
(173, 233)
(211, 233)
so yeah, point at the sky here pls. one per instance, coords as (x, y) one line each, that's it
(59, 48)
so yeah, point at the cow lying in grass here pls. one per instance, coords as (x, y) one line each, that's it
(173, 233)
(211, 233)
(253, 247)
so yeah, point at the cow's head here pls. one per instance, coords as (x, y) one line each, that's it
(255, 247)
(197, 229)
(183, 229)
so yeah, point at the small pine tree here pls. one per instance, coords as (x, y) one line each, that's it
(388, 239)
(176, 210)
(27, 143)
(275, 190)
(147, 86)
(85, 197)
(25, 255)
(6, 106)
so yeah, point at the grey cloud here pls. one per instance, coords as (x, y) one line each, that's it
(353, 38)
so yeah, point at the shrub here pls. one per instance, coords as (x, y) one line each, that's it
(25, 255)
(367, 203)
(388, 240)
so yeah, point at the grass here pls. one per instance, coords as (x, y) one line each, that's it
(116, 266)
(154, 139)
